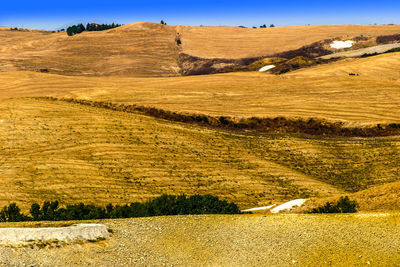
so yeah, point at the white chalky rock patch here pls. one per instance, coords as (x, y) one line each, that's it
(266, 68)
(341, 44)
(260, 208)
(73, 233)
(289, 205)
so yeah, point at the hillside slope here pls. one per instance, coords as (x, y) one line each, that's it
(71, 153)
(56, 150)
(235, 42)
(143, 49)
(149, 49)
(325, 91)
(380, 67)
(382, 198)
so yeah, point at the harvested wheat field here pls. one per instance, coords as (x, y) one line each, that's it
(326, 91)
(113, 117)
(235, 42)
(150, 49)
(59, 150)
(251, 240)
(143, 50)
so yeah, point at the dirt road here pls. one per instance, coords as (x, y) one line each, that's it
(242, 240)
(359, 52)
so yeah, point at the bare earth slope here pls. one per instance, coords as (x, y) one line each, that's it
(244, 240)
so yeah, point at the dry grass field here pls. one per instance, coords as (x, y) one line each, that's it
(243, 240)
(325, 91)
(381, 198)
(142, 50)
(235, 42)
(57, 150)
(149, 49)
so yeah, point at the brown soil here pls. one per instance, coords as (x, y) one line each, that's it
(243, 240)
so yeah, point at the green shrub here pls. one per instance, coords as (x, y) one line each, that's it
(369, 55)
(12, 213)
(343, 205)
(76, 29)
(394, 125)
(163, 205)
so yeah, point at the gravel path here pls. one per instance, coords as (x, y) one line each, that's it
(359, 52)
(242, 240)
(73, 233)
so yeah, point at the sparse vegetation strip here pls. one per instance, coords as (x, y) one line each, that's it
(393, 50)
(305, 56)
(387, 39)
(163, 205)
(310, 126)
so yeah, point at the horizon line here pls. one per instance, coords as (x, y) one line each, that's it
(233, 26)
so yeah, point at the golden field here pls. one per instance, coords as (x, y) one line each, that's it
(58, 150)
(325, 91)
(149, 49)
(61, 150)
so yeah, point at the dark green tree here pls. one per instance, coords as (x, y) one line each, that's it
(343, 205)
(35, 212)
(12, 213)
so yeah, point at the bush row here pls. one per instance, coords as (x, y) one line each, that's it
(313, 50)
(75, 29)
(271, 125)
(385, 39)
(343, 205)
(393, 50)
(163, 205)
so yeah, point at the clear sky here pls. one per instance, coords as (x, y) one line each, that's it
(56, 14)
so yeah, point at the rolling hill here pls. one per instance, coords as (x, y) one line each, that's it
(60, 150)
(323, 91)
(151, 50)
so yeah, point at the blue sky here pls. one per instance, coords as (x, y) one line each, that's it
(55, 14)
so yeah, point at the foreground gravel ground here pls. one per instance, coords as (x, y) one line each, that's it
(242, 240)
